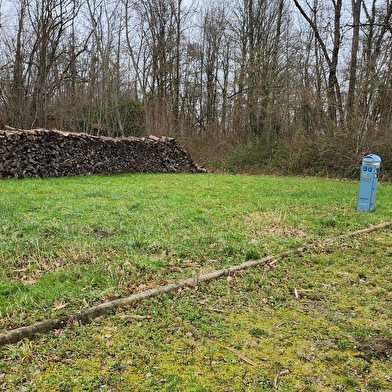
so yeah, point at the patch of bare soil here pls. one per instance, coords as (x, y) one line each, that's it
(378, 347)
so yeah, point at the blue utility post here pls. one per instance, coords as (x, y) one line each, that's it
(370, 170)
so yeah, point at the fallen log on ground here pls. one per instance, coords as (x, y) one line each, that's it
(84, 316)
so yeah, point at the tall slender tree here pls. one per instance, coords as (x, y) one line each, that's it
(331, 55)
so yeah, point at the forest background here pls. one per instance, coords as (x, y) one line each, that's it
(259, 86)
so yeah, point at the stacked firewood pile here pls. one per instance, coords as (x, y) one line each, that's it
(45, 153)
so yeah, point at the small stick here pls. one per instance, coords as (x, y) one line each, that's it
(282, 373)
(240, 355)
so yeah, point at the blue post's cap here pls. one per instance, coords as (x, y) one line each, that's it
(371, 159)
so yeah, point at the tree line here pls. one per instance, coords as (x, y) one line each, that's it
(292, 85)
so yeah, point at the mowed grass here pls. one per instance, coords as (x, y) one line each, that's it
(316, 321)
(69, 242)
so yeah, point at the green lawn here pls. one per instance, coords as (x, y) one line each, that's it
(315, 321)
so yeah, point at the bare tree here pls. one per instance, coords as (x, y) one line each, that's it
(331, 54)
(106, 20)
(49, 20)
(213, 28)
(18, 99)
(156, 57)
(258, 27)
(356, 6)
(36, 53)
(372, 102)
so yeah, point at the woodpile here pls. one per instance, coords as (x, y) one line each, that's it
(46, 153)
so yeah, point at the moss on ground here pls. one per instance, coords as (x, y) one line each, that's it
(317, 321)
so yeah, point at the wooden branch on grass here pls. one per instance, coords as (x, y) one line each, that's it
(240, 355)
(84, 316)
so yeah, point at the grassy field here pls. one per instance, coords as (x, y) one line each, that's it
(320, 320)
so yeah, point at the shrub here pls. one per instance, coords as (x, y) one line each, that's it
(125, 118)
